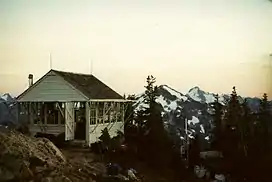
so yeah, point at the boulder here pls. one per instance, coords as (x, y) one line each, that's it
(23, 157)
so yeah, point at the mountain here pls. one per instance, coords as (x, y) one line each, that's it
(201, 96)
(7, 98)
(194, 106)
(8, 109)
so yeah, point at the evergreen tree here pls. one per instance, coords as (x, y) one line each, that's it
(265, 122)
(244, 127)
(231, 129)
(129, 126)
(105, 137)
(194, 153)
(218, 125)
(154, 140)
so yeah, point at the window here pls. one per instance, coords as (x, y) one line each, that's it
(51, 114)
(99, 120)
(92, 113)
(38, 112)
(92, 116)
(59, 109)
(118, 113)
(92, 121)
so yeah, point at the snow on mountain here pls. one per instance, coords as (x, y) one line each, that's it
(175, 93)
(199, 95)
(168, 98)
(193, 121)
(7, 98)
(8, 109)
(176, 108)
(195, 107)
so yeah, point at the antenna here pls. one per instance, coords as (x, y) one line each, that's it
(50, 59)
(91, 67)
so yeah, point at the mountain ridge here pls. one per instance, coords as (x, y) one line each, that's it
(195, 107)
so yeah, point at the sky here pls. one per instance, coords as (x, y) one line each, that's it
(213, 44)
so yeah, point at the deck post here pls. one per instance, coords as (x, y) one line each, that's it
(104, 112)
(45, 113)
(123, 113)
(96, 112)
(87, 118)
(30, 112)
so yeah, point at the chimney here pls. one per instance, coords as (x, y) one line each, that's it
(30, 80)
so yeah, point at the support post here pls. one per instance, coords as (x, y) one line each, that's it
(87, 118)
(116, 111)
(59, 116)
(30, 113)
(123, 112)
(104, 112)
(45, 113)
(96, 112)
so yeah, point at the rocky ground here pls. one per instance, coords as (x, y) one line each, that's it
(24, 158)
(28, 159)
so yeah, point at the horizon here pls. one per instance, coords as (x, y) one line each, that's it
(184, 93)
(183, 43)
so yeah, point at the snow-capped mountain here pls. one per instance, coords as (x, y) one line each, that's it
(201, 96)
(8, 109)
(193, 107)
(6, 98)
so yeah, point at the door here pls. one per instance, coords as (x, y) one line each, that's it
(69, 121)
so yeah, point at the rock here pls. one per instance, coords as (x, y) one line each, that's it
(219, 178)
(131, 175)
(47, 179)
(22, 157)
(6, 175)
(116, 178)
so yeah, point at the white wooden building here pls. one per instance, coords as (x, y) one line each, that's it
(79, 105)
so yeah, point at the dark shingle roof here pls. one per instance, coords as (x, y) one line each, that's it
(89, 85)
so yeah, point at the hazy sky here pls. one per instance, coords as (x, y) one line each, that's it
(214, 44)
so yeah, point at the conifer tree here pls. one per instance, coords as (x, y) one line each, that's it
(155, 139)
(231, 131)
(264, 117)
(244, 127)
(130, 130)
(217, 121)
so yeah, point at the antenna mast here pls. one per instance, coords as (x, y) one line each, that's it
(91, 67)
(50, 59)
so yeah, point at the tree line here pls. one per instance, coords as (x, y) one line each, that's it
(244, 138)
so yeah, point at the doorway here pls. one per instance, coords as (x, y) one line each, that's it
(80, 121)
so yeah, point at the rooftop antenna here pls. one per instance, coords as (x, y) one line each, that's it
(50, 59)
(91, 67)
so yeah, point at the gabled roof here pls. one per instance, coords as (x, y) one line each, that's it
(89, 85)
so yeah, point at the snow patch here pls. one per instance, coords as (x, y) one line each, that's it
(193, 121)
(209, 98)
(162, 101)
(202, 130)
(193, 93)
(173, 105)
(175, 93)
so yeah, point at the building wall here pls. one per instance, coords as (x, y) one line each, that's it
(52, 88)
(96, 130)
